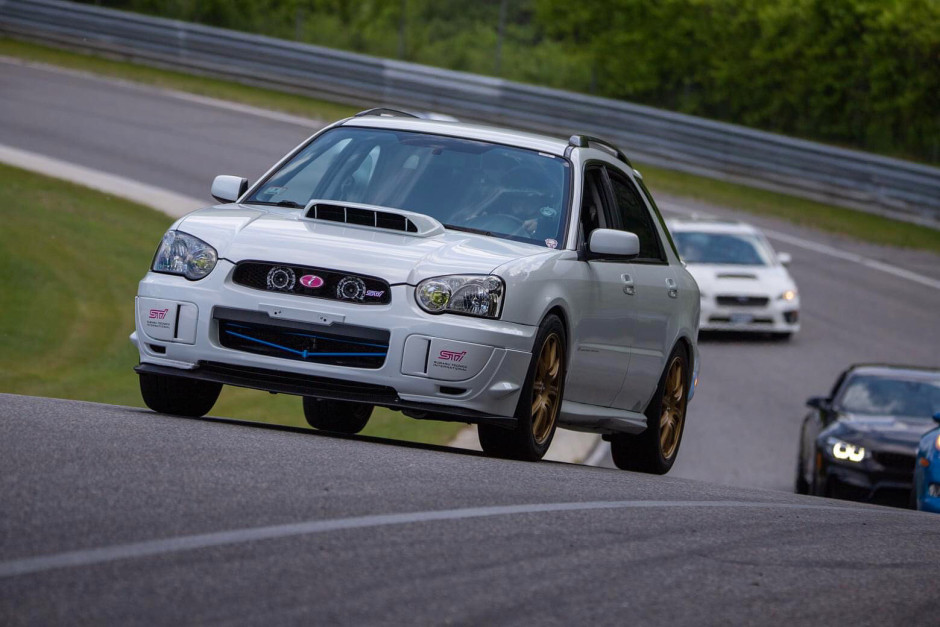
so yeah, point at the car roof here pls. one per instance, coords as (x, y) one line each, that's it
(887, 370)
(710, 225)
(494, 134)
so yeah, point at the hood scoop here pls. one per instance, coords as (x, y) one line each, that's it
(373, 217)
(733, 275)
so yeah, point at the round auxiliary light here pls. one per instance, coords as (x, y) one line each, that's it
(351, 288)
(281, 279)
(434, 295)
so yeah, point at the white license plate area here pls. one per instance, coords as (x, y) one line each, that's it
(741, 318)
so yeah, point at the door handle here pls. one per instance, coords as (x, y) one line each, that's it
(672, 289)
(628, 288)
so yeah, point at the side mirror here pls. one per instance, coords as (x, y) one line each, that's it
(227, 188)
(936, 417)
(784, 258)
(819, 402)
(613, 243)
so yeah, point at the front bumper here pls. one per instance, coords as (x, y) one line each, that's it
(866, 482)
(778, 316)
(466, 368)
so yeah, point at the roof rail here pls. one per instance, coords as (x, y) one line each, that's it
(585, 141)
(394, 113)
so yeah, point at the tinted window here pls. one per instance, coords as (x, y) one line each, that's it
(505, 191)
(865, 394)
(632, 215)
(659, 216)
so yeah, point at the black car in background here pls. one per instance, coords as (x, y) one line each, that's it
(859, 443)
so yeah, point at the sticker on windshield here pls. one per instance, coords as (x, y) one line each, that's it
(548, 212)
(551, 243)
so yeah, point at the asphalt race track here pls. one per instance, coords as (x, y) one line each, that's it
(119, 516)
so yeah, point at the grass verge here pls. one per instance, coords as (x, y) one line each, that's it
(859, 225)
(70, 260)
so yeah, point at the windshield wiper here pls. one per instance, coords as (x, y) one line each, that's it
(280, 203)
(467, 229)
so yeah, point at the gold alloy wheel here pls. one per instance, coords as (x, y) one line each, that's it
(545, 384)
(673, 409)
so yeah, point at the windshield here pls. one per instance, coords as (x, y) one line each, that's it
(882, 396)
(722, 248)
(464, 184)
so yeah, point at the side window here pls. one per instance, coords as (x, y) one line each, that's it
(593, 201)
(632, 215)
(659, 216)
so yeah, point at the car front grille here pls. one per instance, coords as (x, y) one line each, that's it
(313, 282)
(742, 301)
(305, 343)
(896, 461)
(728, 320)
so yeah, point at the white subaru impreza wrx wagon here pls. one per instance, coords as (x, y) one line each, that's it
(446, 270)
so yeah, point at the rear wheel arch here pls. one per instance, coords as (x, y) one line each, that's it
(655, 449)
(686, 345)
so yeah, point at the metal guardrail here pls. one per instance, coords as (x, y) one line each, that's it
(849, 178)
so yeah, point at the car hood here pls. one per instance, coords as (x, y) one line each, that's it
(241, 233)
(746, 280)
(882, 431)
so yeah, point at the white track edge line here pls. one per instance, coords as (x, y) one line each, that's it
(597, 454)
(172, 204)
(178, 544)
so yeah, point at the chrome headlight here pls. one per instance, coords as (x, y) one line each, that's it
(845, 451)
(474, 295)
(183, 254)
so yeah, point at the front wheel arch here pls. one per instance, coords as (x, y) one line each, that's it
(559, 311)
(535, 428)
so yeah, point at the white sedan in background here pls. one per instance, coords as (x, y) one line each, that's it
(446, 270)
(744, 283)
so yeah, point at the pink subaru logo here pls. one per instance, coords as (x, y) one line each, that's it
(311, 280)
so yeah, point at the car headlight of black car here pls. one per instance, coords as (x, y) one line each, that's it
(841, 450)
(181, 253)
(473, 295)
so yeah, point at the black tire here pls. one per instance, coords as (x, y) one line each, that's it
(815, 488)
(536, 423)
(644, 452)
(178, 395)
(336, 416)
(801, 486)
